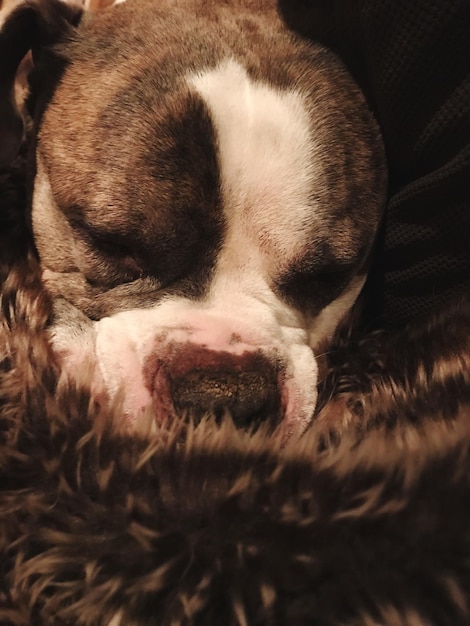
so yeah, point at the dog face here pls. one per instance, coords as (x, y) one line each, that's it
(207, 190)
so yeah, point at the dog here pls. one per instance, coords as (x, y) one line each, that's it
(207, 187)
(208, 524)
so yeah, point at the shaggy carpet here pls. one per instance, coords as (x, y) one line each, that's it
(364, 521)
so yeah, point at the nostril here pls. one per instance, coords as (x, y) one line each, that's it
(249, 396)
(198, 381)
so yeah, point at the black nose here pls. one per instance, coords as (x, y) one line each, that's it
(246, 387)
(249, 397)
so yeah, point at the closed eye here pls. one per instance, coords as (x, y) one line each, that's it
(111, 247)
(110, 259)
(312, 288)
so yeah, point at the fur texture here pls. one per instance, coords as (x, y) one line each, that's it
(364, 521)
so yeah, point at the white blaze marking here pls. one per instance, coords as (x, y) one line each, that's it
(265, 155)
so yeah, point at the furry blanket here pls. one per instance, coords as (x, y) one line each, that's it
(364, 521)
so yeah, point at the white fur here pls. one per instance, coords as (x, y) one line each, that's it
(126, 340)
(91, 4)
(266, 158)
(324, 325)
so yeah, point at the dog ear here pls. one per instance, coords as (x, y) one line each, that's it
(33, 25)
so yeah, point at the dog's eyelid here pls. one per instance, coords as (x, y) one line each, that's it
(340, 269)
(329, 268)
(113, 246)
(109, 249)
(113, 243)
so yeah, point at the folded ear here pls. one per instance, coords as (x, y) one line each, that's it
(32, 25)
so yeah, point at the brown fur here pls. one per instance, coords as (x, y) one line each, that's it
(214, 526)
(119, 102)
(364, 521)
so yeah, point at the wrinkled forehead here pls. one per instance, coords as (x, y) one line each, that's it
(144, 97)
(162, 112)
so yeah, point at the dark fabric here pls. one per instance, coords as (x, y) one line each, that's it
(412, 57)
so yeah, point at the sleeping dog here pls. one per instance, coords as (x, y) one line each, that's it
(206, 191)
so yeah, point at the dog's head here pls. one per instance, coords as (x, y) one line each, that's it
(206, 193)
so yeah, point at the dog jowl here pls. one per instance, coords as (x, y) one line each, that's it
(206, 191)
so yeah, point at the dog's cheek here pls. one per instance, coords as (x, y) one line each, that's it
(119, 367)
(73, 339)
(84, 365)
